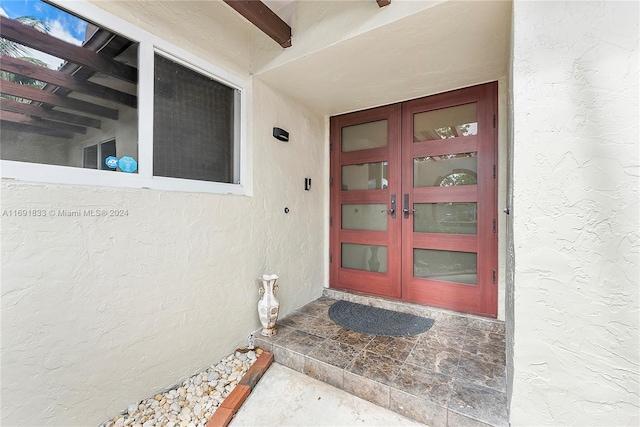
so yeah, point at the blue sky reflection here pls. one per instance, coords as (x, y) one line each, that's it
(62, 25)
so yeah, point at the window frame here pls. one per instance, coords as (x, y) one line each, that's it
(84, 154)
(148, 45)
(98, 145)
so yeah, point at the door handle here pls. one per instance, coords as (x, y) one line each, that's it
(392, 211)
(406, 206)
(406, 209)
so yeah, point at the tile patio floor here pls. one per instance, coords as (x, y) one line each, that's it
(453, 374)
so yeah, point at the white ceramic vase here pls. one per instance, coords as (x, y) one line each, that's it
(268, 306)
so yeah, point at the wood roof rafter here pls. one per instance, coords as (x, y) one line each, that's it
(26, 92)
(38, 111)
(43, 123)
(16, 32)
(264, 18)
(60, 79)
(21, 127)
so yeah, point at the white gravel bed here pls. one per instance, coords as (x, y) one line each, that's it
(191, 403)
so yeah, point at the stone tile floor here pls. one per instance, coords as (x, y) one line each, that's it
(452, 374)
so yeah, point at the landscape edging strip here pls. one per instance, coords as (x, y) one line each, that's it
(232, 403)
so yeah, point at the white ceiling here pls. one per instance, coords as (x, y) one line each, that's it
(448, 46)
(285, 9)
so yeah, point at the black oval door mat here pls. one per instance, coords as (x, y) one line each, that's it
(377, 321)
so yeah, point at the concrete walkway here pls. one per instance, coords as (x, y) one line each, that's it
(284, 397)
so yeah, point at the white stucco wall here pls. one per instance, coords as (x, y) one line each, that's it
(100, 312)
(575, 183)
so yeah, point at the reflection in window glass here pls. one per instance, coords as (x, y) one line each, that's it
(364, 136)
(364, 217)
(107, 149)
(90, 160)
(445, 170)
(445, 123)
(365, 176)
(453, 218)
(448, 266)
(364, 257)
(95, 156)
(60, 118)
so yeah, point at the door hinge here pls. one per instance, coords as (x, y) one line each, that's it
(494, 171)
(330, 182)
(330, 257)
(330, 221)
(331, 145)
(494, 276)
(494, 225)
(494, 121)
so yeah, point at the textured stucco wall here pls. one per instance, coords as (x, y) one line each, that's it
(97, 313)
(100, 312)
(506, 245)
(575, 183)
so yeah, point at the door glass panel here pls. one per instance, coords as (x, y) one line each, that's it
(365, 176)
(445, 123)
(454, 218)
(458, 267)
(445, 170)
(364, 217)
(364, 136)
(364, 257)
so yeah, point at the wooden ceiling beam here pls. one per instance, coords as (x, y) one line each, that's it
(16, 32)
(264, 18)
(37, 111)
(383, 3)
(26, 92)
(42, 123)
(22, 128)
(58, 78)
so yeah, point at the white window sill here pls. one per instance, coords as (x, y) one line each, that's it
(50, 174)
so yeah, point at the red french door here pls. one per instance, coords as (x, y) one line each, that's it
(365, 191)
(413, 201)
